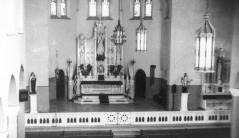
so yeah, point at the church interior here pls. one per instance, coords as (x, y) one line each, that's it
(119, 68)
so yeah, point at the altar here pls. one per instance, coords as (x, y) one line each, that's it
(100, 76)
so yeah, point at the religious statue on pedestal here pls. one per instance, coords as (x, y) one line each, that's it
(32, 81)
(184, 97)
(185, 81)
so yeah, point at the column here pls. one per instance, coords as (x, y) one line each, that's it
(70, 89)
(12, 121)
(235, 113)
(21, 120)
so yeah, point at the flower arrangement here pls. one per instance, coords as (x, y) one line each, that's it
(85, 70)
(115, 69)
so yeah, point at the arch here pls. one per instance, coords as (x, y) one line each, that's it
(22, 78)
(1, 115)
(60, 85)
(140, 83)
(12, 94)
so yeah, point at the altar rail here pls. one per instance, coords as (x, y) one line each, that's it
(76, 119)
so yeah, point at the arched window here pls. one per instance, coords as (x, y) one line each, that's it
(137, 7)
(92, 8)
(63, 8)
(53, 7)
(148, 8)
(105, 8)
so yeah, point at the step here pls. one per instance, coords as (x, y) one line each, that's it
(126, 133)
(113, 99)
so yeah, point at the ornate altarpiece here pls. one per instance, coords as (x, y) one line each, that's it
(99, 67)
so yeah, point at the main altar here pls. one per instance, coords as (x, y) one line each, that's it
(100, 74)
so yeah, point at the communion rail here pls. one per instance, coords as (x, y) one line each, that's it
(78, 119)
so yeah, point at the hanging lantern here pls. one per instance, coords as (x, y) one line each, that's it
(141, 33)
(205, 42)
(118, 37)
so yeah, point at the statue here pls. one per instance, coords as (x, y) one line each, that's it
(32, 81)
(220, 64)
(185, 81)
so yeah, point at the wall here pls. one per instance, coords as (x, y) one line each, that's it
(62, 41)
(187, 17)
(37, 48)
(152, 56)
(234, 77)
(62, 38)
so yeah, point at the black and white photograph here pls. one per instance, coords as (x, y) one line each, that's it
(119, 68)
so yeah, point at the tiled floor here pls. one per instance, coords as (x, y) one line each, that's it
(139, 104)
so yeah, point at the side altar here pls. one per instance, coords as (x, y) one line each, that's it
(99, 69)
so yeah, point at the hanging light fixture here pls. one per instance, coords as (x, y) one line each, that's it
(205, 42)
(141, 34)
(118, 37)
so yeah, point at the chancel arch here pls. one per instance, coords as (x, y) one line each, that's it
(140, 83)
(60, 85)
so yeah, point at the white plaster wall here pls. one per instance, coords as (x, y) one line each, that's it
(62, 38)
(37, 40)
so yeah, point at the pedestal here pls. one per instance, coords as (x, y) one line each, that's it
(33, 103)
(70, 89)
(235, 113)
(131, 89)
(184, 102)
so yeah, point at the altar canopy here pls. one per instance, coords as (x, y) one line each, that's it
(100, 73)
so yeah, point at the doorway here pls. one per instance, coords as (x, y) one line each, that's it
(140, 84)
(60, 85)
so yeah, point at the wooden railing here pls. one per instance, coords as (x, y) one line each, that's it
(75, 119)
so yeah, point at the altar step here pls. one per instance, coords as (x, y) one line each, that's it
(94, 99)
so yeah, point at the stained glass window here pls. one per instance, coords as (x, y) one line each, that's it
(137, 8)
(92, 8)
(148, 8)
(54, 7)
(63, 8)
(105, 8)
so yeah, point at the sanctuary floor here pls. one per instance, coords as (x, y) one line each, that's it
(140, 104)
